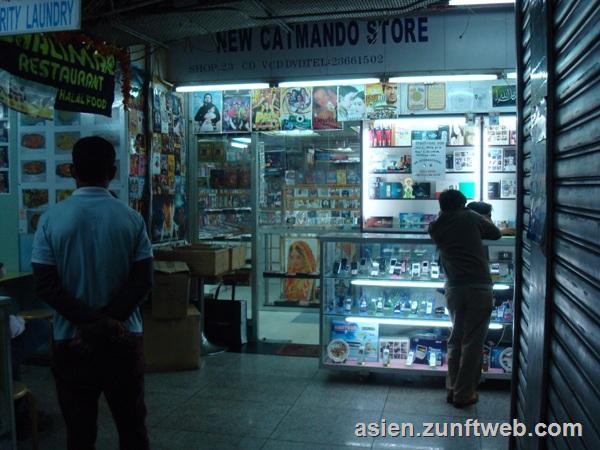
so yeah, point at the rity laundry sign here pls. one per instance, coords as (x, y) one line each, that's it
(35, 16)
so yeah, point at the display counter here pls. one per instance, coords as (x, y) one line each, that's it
(383, 307)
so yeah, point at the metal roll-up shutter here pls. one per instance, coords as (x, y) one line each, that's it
(574, 333)
(523, 251)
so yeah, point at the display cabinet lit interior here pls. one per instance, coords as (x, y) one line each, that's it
(224, 177)
(308, 183)
(403, 179)
(383, 307)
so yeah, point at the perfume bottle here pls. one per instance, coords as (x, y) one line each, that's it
(386, 356)
(360, 360)
(363, 305)
(348, 305)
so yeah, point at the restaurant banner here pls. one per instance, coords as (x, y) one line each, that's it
(84, 76)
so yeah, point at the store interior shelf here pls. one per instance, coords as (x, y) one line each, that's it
(226, 210)
(407, 319)
(502, 171)
(272, 274)
(404, 199)
(396, 281)
(337, 161)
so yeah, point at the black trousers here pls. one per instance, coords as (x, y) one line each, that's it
(116, 369)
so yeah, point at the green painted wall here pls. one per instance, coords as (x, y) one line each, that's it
(9, 207)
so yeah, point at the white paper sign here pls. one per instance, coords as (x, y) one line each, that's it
(428, 159)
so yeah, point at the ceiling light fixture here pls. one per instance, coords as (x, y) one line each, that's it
(328, 82)
(479, 2)
(441, 78)
(511, 75)
(412, 322)
(239, 145)
(221, 87)
(244, 140)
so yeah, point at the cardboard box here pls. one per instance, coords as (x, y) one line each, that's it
(172, 344)
(171, 290)
(237, 256)
(202, 260)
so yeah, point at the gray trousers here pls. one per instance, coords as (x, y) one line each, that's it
(470, 309)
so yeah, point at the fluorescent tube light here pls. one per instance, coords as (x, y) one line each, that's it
(328, 82)
(239, 145)
(221, 87)
(478, 2)
(441, 78)
(242, 139)
(413, 283)
(412, 322)
(511, 75)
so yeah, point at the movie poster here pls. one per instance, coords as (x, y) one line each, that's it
(301, 256)
(237, 111)
(382, 101)
(206, 111)
(325, 108)
(351, 103)
(296, 108)
(266, 109)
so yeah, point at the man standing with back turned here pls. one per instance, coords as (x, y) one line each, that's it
(458, 233)
(92, 263)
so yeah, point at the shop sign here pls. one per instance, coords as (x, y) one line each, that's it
(428, 159)
(347, 48)
(504, 95)
(85, 77)
(36, 16)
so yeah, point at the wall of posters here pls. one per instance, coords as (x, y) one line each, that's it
(138, 148)
(296, 108)
(168, 166)
(237, 111)
(4, 154)
(207, 110)
(266, 109)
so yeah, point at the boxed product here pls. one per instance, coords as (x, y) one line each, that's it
(357, 334)
(201, 259)
(237, 256)
(172, 344)
(423, 347)
(171, 289)
(399, 347)
(501, 358)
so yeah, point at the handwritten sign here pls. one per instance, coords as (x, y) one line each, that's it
(35, 16)
(504, 95)
(428, 159)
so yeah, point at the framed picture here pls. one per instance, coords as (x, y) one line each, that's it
(301, 255)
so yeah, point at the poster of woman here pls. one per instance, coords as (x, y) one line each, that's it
(301, 257)
(325, 108)
(237, 111)
(266, 109)
(206, 110)
(351, 103)
(296, 108)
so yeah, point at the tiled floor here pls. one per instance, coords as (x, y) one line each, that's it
(253, 401)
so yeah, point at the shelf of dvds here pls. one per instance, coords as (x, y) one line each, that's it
(383, 307)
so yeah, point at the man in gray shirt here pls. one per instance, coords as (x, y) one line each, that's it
(458, 233)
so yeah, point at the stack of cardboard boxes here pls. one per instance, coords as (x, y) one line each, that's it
(171, 324)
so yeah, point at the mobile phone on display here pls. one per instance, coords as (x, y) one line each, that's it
(434, 270)
(416, 270)
(353, 268)
(374, 268)
(424, 267)
(336, 268)
(382, 265)
(392, 266)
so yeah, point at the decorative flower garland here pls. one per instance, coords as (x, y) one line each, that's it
(120, 54)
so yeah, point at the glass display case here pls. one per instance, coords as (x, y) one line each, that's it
(308, 182)
(383, 307)
(224, 179)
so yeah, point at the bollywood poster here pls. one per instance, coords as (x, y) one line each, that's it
(301, 256)
(266, 109)
(382, 101)
(206, 111)
(237, 111)
(325, 108)
(138, 150)
(351, 103)
(296, 108)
